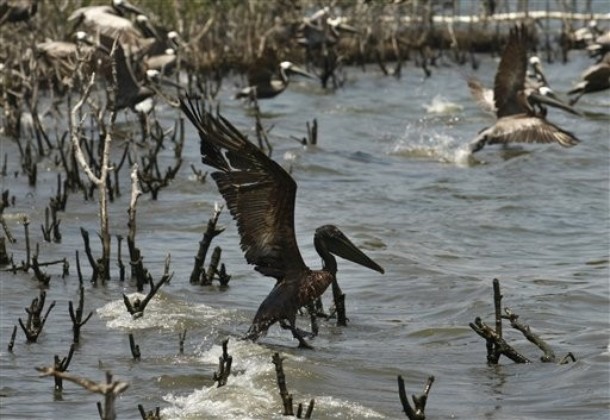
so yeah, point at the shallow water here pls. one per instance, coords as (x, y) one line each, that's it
(391, 172)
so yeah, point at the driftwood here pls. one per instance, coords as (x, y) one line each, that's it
(99, 181)
(34, 324)
(11, 343)
(110, 389)
(135, 349)
(286, 396)
(224, 365)
(136, 308)
(497, 346)
(149, 415)
(417, 412)
(181, 338)
(61, 365)
(198, 275)
(77, 315)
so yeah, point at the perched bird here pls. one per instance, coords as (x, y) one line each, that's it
(595, 79)
(517, 119)
(263, 85)
(260, 195)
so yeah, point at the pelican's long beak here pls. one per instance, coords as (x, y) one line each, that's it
(156, 77)
(337, 243)
(130, 8)
(553, 100)
(300, 71)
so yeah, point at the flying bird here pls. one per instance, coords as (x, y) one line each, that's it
(517, 120)
(263, 84)
(260, 196)
(595, 79)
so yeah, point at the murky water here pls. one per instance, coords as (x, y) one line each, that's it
(390, 172)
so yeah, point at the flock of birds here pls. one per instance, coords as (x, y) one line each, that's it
(259, 193)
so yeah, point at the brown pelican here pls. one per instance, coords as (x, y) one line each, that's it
(537, 91)
(596, 78)
(262, 84)
(260, 195)
(17, 10)
(62, 58)
(321, 29)
(517, 120)
(130, 92)
(110, 20)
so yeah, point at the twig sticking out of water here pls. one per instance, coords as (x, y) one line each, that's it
(99, 181)
(135, 257)
(110, 389)
(11, 343)
(495, 343)
(77, 316)
(151, 415)
(34, 324)
(549, 354)
(4, 259)
(43, 278)
(120, 264)
(200, 175)
(198, 273)
(136, 308)
(312, 134)
(419, 402)
(181, 338)
(286, 396)
(96, 265)
(224, 365)
(135, 349)
(152, 180)
(51, 225)
(62, 366)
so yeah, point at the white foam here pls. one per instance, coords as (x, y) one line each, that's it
(159, 313)
(251, 391)
(424, 142)
(441, 105)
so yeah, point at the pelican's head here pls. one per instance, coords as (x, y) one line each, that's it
(534, 60)
(546, 91)
(287, 67)
(80, 36)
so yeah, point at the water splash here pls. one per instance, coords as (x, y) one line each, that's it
(441, 105)
(251, 392)
(423, 142)
(161, 312)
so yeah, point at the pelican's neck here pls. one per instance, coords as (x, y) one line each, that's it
(329, 262)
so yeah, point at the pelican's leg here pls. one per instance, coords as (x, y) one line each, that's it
(296, 333)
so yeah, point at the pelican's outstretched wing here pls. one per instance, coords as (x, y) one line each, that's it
(482, 95)
(259, 193)
(510, 77)
(523, 129)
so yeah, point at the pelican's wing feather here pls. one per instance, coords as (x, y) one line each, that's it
(259, 193)
(510, 77)
(526, 129)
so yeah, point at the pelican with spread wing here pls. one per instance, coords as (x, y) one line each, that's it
(517, 119)
(260, 195)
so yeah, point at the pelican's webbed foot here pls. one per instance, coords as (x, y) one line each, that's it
(298, 334)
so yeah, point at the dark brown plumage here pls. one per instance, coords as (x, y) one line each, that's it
(517, 119)
(260, 195)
